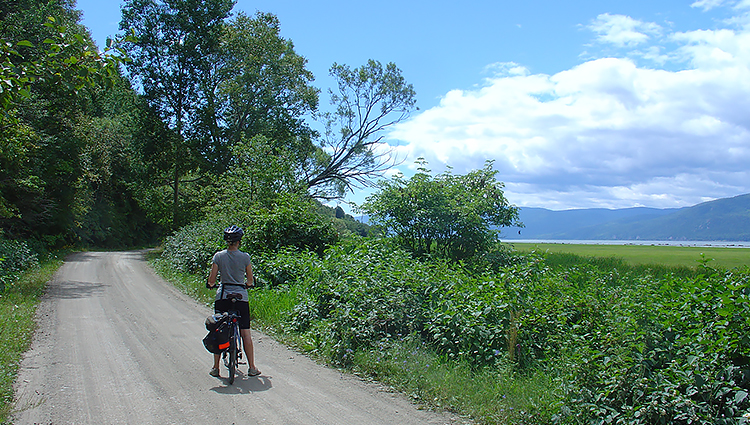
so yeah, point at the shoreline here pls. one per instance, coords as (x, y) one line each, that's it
(697, 244)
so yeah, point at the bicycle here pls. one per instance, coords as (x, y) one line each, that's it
(233, 354)
(230, 351)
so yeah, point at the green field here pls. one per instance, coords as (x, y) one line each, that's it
(726, 258)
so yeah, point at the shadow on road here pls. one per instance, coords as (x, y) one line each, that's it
(81, 257)
(74, 290)
(245, 385)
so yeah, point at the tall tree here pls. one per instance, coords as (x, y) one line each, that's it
(369, 100)
(258, 96)
(168, 61)
(263, 86)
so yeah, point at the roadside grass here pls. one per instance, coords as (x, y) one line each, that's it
(17, 309)
(494, 395)
(649, 255)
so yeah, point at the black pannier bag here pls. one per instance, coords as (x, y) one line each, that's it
(218, 328)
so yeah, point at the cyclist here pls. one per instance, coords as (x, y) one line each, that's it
(235, 273)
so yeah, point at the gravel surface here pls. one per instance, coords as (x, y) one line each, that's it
(118, 345)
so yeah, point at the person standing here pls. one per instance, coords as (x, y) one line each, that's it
(235, 273)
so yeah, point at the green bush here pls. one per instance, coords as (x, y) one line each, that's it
(191, 248)
(292, 224)
(369, 290)
(668, 351)
(285, 267)
(365, 292)
(15, 257)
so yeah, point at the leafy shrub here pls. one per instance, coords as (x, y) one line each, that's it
(15, 256)
(291, 222)
(674, 351)
(625, 346)
(192, 247)
(285, 267)
(369, 290)
(450, 216)
(291, 225)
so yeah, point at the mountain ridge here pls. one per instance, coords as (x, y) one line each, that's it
(726, 219)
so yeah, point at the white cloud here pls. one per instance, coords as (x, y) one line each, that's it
(608, 132)
(708, 4)
(623, 31)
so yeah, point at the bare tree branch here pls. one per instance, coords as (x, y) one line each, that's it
(370, 99)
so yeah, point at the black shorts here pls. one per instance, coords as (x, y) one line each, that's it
(221, 306)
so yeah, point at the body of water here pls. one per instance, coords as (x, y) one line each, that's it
(717, 244)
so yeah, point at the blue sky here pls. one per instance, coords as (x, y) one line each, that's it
(581, 104)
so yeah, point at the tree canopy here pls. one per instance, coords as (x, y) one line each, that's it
(173, 40)
(448, 215)
(216, 111)
(64, 132)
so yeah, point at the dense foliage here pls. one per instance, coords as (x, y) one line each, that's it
(291, 223)
(15, 257)
(68, 163)
(217, 112)
(230, 86)
(449, 215)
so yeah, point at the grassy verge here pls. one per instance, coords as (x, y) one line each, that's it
(493, 395)
(17, 308)
(673, 256)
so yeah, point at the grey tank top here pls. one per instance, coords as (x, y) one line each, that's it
(232, 266)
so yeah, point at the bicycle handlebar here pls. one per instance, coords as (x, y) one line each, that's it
(231, 284)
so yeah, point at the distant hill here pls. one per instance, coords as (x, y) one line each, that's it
(720, 220)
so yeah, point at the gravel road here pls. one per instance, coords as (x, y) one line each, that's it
(118, 345)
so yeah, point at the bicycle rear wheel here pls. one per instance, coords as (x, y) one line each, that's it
(232, 364)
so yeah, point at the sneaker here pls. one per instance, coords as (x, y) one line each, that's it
(253, 371)
(214, 372)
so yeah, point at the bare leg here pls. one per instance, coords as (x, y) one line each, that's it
(247, 342)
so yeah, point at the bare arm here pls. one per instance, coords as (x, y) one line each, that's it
(250, 278)
(212, 275)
